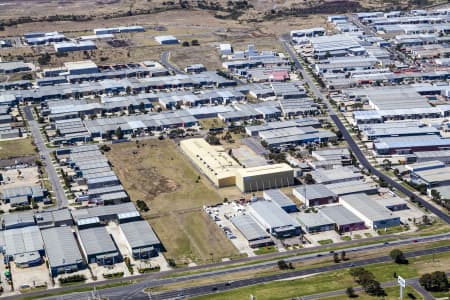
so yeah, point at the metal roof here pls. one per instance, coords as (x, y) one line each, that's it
(278, 197)
(272, 214)
(61, 247)
(25, 218)
(101, 211)
(249, 228)
(314, 191)
(310, 220)
(96, 241)
(339, 215)
(22, 240)
(139, 234)
(367, 207)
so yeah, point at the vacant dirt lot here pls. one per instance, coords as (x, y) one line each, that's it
(156, 172)
(16, 148)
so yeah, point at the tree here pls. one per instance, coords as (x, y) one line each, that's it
(142, 107)
(282, 265)
(343, 257)
(350, 292)
(309, 179)
(119, 133)
(435, 282)
(373, 288)
(398, 256)
(44, 59)
(130, 109)
(185, 44)
(387, 164)
(435, 195)
(335, 257)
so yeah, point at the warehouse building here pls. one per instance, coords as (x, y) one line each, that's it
(344, 219)
(252, 231)
(24, 246)
(274, 219)
(440, 155)
(35, 193)
(120, 29)
(406, 145)
(17, 220)
(314, 222)
(105, 213)
(98, 246)
(53, 218)
(142, 241)
(423, 166)
(353, 187)
(374, 214)
(341, 174)
(223, 170)
(432, 178)
(62, 250)
(213, 161)
(74, 46)
(166, 39)
(264, 177)
(281, 200)
(14, 67)
(393, 203)
(314, 194)
(81, 67)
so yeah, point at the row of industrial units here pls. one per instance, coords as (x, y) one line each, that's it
(277, 216)
(29, 237)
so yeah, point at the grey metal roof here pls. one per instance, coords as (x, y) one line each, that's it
(249, 228)
(314, 191)
(351, 187)
(278, 197)
(272, 214)
(139, 234)
(339, 215)
(367, 207)
(18, 218)
(101, 211)
(96, 241)
(22, 240)
(61, 247)
(309, 220)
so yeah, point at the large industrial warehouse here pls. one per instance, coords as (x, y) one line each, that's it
(223, 170)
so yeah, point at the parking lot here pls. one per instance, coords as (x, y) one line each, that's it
(220, 215)
(29, 278)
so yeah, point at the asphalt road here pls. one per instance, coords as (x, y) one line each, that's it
(165, 62)
(134, 290)
(354, 147)
(61, 199)
(224, 286)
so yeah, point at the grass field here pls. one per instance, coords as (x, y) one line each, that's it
(265, 250)
(156, 172)
(332, 281)
(16, 148)
(393, 293)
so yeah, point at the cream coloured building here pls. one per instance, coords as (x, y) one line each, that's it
(223, 170)
(213, 161)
